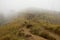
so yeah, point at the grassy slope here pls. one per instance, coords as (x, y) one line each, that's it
(10, 30)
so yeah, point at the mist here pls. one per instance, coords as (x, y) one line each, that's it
(10, 8)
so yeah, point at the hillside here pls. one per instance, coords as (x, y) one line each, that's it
(32, 26)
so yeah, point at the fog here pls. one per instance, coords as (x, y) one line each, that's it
(9, 7)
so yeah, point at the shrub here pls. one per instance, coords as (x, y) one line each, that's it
(20, 34)
(42, 33)
(47, 36)
(29, 26)
(57, 30)
(28, 35)
(6, 38)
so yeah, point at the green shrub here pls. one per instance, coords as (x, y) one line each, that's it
(42, 33)
(57, 30)
(6, 38)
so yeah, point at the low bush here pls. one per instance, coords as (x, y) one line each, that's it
(6, 38)
(42, 33)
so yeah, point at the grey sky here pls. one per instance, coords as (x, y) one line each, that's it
(16, 5)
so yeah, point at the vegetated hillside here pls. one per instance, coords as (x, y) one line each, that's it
(32, 26)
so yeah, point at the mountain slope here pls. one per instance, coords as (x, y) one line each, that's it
(30, 26)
